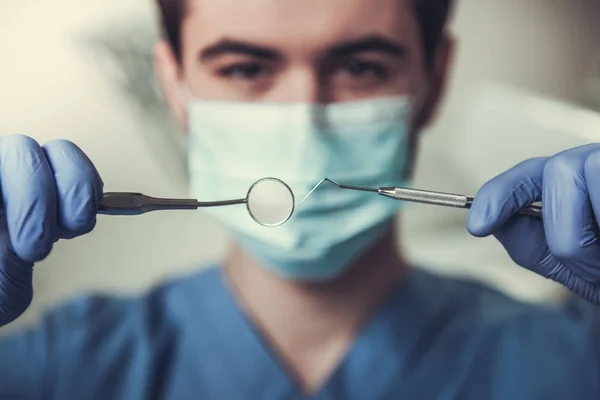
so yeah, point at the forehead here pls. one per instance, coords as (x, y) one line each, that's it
(297, 22)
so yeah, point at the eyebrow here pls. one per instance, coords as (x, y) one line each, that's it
(228, 46)
(372, 43)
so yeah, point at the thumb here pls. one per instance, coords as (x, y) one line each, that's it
(497, 202)
(499, 199)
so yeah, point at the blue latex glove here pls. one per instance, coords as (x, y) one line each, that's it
(564, 246)
(48, 193)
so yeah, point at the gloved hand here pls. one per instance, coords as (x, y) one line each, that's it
(565, 245)
(48, 193)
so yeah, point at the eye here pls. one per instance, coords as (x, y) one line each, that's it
(244, 71)
(364, 69)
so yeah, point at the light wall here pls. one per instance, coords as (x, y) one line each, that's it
(49, 89)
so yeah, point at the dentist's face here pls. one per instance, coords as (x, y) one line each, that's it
(318, 51)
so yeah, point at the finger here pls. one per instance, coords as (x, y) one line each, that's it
(78, 185)
(16, 289)
(591, 173)
(525, 241)
(568, 217)
(499, 199)
(29, 196)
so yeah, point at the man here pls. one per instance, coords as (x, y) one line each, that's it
(304, 90)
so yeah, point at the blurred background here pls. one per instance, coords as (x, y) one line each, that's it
(526, 83)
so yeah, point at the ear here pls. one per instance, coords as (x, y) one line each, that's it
(438, 78)
(168, 72)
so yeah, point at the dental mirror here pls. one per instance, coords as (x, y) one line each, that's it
(269, 201)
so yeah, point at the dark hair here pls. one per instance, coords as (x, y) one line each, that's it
(432, 16)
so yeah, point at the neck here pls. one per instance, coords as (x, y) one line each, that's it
(302, 319)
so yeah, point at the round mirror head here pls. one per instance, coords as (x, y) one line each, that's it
(270, 202)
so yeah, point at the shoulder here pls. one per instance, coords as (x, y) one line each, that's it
(485, 310)
(132, 312)
(543, 351)
(467, 302)
(115, 324)
(108, 344)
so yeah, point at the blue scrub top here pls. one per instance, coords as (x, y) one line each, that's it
(435, 338)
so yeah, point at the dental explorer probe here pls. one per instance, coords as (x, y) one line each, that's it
(424, 196)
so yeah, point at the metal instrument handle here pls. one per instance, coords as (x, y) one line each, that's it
(444, 199)
(124, 203)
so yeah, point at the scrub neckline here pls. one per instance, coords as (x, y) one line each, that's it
(260, 373)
